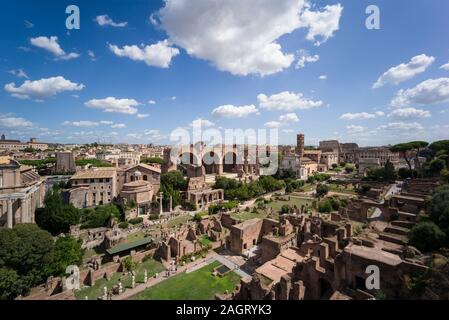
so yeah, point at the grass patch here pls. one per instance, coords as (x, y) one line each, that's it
(179, 221)
(152, 267)
(197, 285)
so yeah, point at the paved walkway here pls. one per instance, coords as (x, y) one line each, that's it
(233, 266)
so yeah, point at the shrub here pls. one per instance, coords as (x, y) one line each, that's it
(135, 221)
(123, 225)
(325, 207)
(285, 209)
(322, 190)
(427, 236)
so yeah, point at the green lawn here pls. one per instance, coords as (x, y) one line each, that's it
(342, 189)
(179, 221)
(152, 267)
(197, 285)
(277, 204)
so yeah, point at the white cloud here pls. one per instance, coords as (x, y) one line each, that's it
(173, 98)
(355, 129)
(19, 73)
(288, 118)
(203, 123)
(106, 122)
(409, 113)
(51, 45)
(28, 24)
(83, 123)
(273, 124)
(361, 115)
(322, 24)
(151, 102)
(155, 55)
(445, 66)
(405, 71)
(287, 130)
(118, 126)
(11, 122)
(322, 77)
(105, 20)
(142, 115)
(231, 111)
(242, 37)
(431, 91)
(401, 126)
(91, 55)
(287, 101)
(42, 88)
(111, 104)
(304, 58)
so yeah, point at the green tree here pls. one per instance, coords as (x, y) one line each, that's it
(67, 251)
(410, 150)
(427, 236)
(439, 207)
(28, 251)
(57, 216)
(322, 190)
(10, 284)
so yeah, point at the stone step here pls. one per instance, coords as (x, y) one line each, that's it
(394, 238)
(407, 216)
(400, 231)
(403, 224)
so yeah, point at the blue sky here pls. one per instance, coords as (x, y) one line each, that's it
(232, 55)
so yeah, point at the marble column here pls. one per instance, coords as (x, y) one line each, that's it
(10, 215)
(160, 205)
(171, 204)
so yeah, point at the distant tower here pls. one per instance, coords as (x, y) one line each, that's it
(300, 145)
(3, 137)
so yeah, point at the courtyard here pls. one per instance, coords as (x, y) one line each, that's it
(197, 285)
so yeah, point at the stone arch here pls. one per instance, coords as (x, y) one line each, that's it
(230, 162)
(211, 163)
(188, 158)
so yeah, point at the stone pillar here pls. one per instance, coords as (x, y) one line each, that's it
(10, 215)
(160, 205)
(171, 204)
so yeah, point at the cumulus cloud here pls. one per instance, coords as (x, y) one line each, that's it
(12, 122)
(106, 122)
(43, 88)
(104, 20)
(242, 37)
(361, 115)
(288, 118)
(304, 58)
(431, 91)
(111, 104)
(83, 123)
(322, 24)
(322, 77)
(51, 45)
(91, 55)
(445, 66)
(118, 126)
(354, 129)
(287, 101)
(151, 102)
(409, 113)
(231, 111)
(201, 123)
(401, 126)
(19, 73)
(155, 55)
(142, 115)
(273, 124)
(405, 71)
